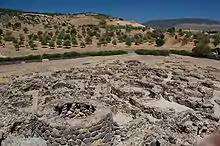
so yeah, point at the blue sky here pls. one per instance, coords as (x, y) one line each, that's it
(139, 10)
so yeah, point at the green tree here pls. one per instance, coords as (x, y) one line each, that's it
(73, 31)
(15, 41)
(21, 43)
(1, 32)
(25, 29)
(59, 42)
(32, 44)
(216, 41)
(21, 36)
(201, 50)
(39, 33)
(185, 41)
(103, 23)
(67, 37)
(35, 37)
(52, 44)
(74, 42)
(171, 30)
(88, 40)
(83, 45)
(8, 36)
(67, 43)
(128, 41)
(160, 42)
(16, 45)
(30, 36)
(17, 25)
(99, 44)
(43, 42)
(50, 34)
(114, 42)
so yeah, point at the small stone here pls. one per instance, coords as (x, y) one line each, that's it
(97, 143)
(93, 134)
(83, 144)
(71, 143)
(47, 132)
(80, 136)
(95, 128)
(87, 135)
(78, 142)
(55, 133)
(87, 140)
(1, 135)
(217, 101)
(107, 138)
(118, 132)
(69, 113)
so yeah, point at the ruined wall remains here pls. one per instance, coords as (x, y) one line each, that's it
(97, 127)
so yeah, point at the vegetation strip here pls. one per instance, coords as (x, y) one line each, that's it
(66, 55)
(163, 52)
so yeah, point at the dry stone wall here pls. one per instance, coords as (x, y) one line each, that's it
(77, 131)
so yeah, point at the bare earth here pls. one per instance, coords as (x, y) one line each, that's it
(172, 100)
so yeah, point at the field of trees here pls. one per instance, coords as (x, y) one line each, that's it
(31, 31)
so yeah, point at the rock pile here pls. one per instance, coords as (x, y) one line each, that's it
(168, 105)
(74, 110)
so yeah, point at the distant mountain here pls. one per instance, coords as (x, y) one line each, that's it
(181, 22)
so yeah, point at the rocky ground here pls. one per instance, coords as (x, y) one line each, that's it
(169, 101)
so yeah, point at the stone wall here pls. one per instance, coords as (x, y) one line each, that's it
(97, 127)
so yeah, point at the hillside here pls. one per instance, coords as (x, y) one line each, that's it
(185, 23)
(30, 33)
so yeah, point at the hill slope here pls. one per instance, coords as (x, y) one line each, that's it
(180, 22)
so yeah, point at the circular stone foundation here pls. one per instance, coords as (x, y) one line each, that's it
(72, 123)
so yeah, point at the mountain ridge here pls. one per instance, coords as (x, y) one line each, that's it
(165, 23)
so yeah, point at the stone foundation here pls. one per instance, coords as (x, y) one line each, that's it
(96, 127)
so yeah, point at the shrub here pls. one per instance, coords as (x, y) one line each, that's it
(73, 31)
(70, 54)
(25, 29)
(20, 43)
(160, 42)
(114, 42)
(32, 57)
(16, 45)
(67, 43)
(35, 37)
(50, 34)
(1, 32)
(39, 33)
(102, 23)
(52, 56)
(171, 30)
(201, 50)
(43, 42)
(153, 52)
(59, 42)
(128, 42)
(52, 44)
(17, 25)
(181, 52)
(99, 44)
(105, 53)
(30, 36)
(83, 45)
(74, 42)
(8, 36)
(67, 37)
(88, 40)
(32, 44)
(184, 41)
(216, 41)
